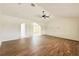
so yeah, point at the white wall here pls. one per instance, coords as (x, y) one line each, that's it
(60, 27)
(9, 30)
(10, 27)
(63, 27)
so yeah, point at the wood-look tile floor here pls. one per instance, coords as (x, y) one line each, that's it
(44, 45)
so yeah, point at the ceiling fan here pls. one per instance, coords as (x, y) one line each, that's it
(43, 12)
(44, 15)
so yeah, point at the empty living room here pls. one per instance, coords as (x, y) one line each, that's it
(39, 29)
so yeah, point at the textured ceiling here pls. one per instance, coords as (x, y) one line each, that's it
(62, 9)
(27, 11)
(21, 10)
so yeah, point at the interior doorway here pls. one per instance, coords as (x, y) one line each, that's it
(23, 30)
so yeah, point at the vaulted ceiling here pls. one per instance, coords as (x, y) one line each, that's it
(27, 11)
(70, 10)
(20, 10)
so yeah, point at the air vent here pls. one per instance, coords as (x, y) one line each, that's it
(33, 5)
(19, 3)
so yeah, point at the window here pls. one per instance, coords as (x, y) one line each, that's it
(36, 33)
(36, 29)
